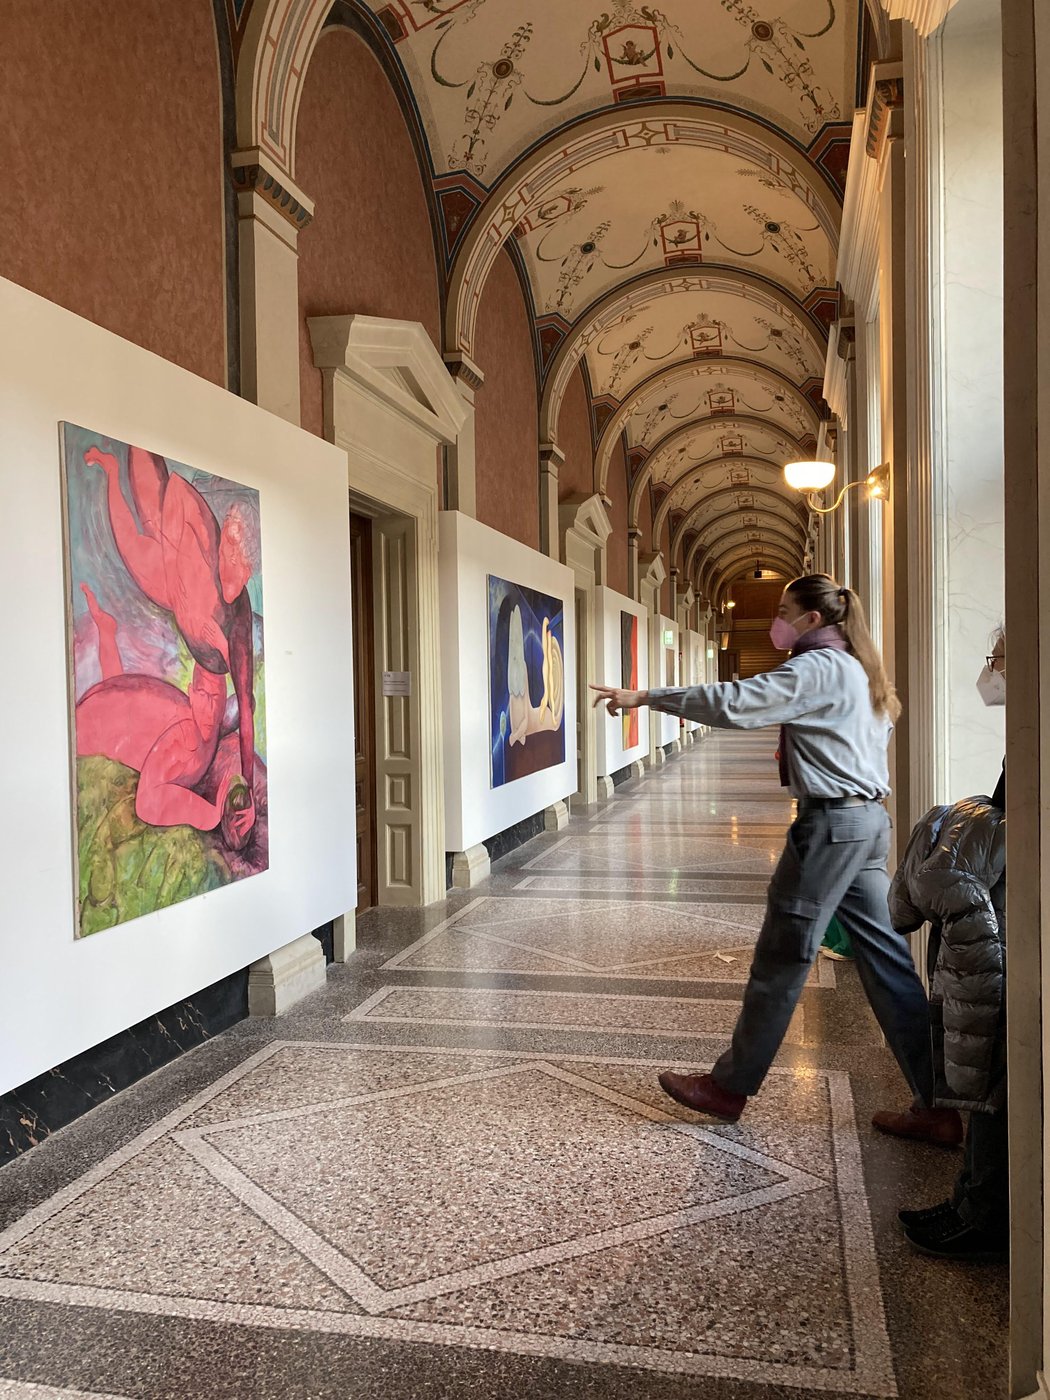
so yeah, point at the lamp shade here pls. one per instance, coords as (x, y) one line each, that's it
(809, 476)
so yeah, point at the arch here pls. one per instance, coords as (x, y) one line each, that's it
(643, 292)
(279, 40)
(687, 477)
(739, 537)
(573, 147)
(775, 539)
(770, 523)
(724, 424)
(684, 371)
(727, 494)
(719, 576)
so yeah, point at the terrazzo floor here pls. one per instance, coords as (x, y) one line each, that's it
(451, 1172)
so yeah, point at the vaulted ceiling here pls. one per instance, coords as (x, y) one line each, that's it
(670, 177)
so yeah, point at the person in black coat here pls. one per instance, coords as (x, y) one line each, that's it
(954, 874)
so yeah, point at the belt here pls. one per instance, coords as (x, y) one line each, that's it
(823, 804)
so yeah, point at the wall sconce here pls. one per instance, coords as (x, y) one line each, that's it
(811, 477)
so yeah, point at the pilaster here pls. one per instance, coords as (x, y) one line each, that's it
(461, 457)
(271, 213)
(551, 459)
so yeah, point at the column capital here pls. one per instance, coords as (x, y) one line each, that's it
(885, 116)
(256, 173)
(463, 369)
(552, 458)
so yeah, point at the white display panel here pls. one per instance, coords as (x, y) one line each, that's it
(469, 553)
(60, 995)
(666, 673)
(609, 609)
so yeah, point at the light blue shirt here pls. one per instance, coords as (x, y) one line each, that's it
(836, 741)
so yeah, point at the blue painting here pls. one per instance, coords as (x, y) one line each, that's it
(526, 681)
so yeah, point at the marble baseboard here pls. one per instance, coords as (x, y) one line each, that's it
(35, 1110)
(502, 843)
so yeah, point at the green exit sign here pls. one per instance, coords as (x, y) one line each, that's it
(668, 639)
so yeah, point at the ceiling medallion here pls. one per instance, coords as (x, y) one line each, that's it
(588, 247)
(772, 227)
(762, 30)
(502, 68)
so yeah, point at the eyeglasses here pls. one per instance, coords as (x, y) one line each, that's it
(991, 660)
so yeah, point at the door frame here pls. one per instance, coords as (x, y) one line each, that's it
(652, 574)
(391, 405)
(371, 880)
(584, 527)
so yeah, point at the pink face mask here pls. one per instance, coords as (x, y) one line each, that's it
(782, 634)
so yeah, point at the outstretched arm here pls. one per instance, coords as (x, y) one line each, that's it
(776, 697)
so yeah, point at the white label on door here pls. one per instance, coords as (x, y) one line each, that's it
(397, 683)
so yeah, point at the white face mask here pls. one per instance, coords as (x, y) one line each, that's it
(991, 686)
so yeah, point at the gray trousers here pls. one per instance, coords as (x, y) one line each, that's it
(834, 863)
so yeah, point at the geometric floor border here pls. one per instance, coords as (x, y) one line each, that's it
(872, 1373)
(824, 970)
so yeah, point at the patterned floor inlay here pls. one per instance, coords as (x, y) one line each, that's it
(753, 887)
(637, 940)
(689, 1017)
(25, 1390)
(535, 1205)
(595, 853)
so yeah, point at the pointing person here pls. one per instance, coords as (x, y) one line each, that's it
(836, 708)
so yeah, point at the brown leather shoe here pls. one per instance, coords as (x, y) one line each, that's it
(700, 1093)
(940, 1126)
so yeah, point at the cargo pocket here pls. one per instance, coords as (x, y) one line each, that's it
(795, 928)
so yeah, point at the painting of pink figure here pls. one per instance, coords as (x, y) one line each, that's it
(164, 572)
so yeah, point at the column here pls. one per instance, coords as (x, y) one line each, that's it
(271, 212)
(1026, 261)
(634, 539)
(461, 458)
(551, 459)
(908, 577)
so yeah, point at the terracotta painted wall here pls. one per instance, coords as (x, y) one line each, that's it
(506, 412)
(616, 548)
(369, 248)
(113, 183)
(574, 439)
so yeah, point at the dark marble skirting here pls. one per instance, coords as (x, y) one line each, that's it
(33, 1111)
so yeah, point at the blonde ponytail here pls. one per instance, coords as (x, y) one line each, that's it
(840, 607)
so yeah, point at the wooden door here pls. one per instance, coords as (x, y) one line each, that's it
(364, 708)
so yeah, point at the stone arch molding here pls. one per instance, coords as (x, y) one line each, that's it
(279, 41)
(622, 305)
(571, 149)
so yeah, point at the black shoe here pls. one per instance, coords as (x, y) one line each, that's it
(951, 1238)
(926, 1216)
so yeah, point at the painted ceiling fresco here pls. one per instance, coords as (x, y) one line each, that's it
(699, 444)
(493, 76)
(585, 239)
(662, 173)
(721, 391)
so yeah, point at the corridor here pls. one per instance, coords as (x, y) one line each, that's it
(451, 1172)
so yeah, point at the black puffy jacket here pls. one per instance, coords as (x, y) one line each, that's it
(953, 876)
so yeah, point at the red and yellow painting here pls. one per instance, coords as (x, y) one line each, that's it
(629, 674)
(167, 680)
